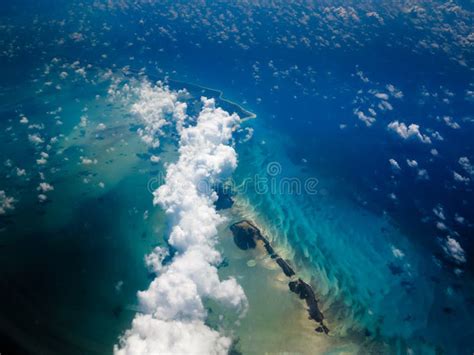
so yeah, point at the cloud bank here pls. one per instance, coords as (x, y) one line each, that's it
(173, 317)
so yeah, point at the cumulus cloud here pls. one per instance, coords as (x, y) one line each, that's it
(394, 164)
(459, 219)
(381, 96)
(155, 336)
(407, 132)
(83, 122)
(412, 163)
(459, 178)
(439, 212)
(35, 139)
(423, 174)
(450, 122)
(88, 161)
(454, 251)
(367, 119)
(173, 314)
(397, 253)
(154, 260)
(20, 172)
(248, 135)
(436, 135)
(466, 165)
(156, 105)
(45, 187)
(6, 203)
(41, 161)
(441, 226)
(362, 77)
(398, 94)
(385, 106)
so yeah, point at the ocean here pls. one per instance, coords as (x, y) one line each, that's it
(354, 159)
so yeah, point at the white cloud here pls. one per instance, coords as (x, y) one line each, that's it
(436, 135)
(118, 286)
(45, 187)
(397, 252)
(155, 336)
(406, 132)
(385, 106)
(441, 226)
(394, 164)
(20, 172)
(381, 96)
(36, 126)
(368, 120)
(156, 105)
(450, 122)
(362, 77)
(412, 163)
(35, 139)
(43, 158)
(423, 174)
(173, 319)
(154, 260)
(41, 161)
(88, 161)
(439, 212)
(249, 134)
(453, 249)
(83, 122)
(6, 203)
(459, 178)
(466, 165)
(459, 219)
(398, 94)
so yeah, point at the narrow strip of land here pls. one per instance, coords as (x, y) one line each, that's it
(247, 235)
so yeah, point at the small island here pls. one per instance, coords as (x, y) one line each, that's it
(247, 236)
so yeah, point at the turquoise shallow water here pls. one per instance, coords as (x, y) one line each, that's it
(72, 265)
(371, 279)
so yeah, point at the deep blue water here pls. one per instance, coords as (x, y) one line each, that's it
(304, 97)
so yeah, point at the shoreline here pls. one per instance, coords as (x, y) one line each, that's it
(247, 235)
(249, 115)
(220, 93)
